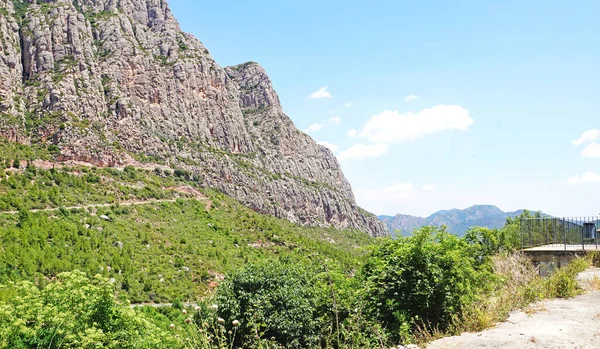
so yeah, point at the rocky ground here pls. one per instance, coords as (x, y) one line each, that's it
(554, 324)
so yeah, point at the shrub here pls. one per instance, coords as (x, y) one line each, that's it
(421, 281)
(276, 300)
(73, 312)
(563, 283)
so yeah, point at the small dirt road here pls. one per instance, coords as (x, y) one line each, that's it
(556, 324)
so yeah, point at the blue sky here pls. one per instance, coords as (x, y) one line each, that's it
(452, 103)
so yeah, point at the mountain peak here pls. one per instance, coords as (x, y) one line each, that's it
(457, 220)
(116, 83)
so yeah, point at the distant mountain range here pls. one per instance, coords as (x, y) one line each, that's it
(457, 221)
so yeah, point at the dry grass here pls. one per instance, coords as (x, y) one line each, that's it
(519, 286)
(423, 335)
(535, 308)
(594, 283)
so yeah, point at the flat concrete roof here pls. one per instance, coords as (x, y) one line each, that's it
(562, 247)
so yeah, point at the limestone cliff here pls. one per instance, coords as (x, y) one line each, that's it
(115, 82)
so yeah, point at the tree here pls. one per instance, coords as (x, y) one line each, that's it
(421, 281)
(277, 299)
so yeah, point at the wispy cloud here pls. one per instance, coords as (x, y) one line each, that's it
(391, 127)
(334, 148)
(587, 136)
(411, 98)
(430, 187)
(363, 151)
(388, 194)
(586, 178)
(334, 120)
(348, 105)
(314, 128)
(394, 198)
(591, 151)
(321, 93)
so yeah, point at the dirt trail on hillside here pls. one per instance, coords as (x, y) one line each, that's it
(557, 324)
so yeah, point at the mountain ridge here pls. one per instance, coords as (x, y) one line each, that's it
(458, 221)
(118, 83)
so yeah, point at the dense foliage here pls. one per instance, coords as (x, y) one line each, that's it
(73, 312)
(159, 252)
(259, 281)
(276, 299)
(423, 280)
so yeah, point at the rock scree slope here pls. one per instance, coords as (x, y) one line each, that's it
(116, 82)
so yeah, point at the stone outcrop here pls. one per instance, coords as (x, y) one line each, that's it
(112, 82)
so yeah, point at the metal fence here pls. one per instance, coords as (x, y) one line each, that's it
(568, 233)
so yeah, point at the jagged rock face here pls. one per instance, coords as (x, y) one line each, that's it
(108, 79)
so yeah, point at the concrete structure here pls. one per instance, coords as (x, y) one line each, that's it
(549, 257)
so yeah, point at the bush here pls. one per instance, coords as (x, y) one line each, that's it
(73, 312)
(276, 300)
(421, 281)
(563, 283)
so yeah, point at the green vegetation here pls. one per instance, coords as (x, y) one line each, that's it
(423, 281)
(78, 244)
(10, 151)
(73, 312)
(278, 299)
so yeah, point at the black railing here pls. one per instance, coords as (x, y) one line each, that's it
(568, 233)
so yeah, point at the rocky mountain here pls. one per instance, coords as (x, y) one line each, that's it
(116, 82)
(457, 221)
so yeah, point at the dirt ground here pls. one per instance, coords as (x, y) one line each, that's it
(554, 324)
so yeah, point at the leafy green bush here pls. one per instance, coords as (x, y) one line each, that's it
(421, 281)
(276, 300)
(563, 283)
(73, 312)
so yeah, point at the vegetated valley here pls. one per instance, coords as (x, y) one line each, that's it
(150, 198)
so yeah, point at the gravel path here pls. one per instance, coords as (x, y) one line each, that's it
(557, 324)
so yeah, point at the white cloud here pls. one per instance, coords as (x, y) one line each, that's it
(352, 133)
(314, 127)
(591, 151)
(430, 187)
(588, 177)
(587, 136)
(334, 120)
(361, 151)
(348, 105)
(395, 191)
(411, 98)
(391, 126)
(334, 148)
(321, 93)
(389, 196)
(333, 111)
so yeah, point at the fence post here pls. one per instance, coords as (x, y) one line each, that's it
(562, 222)
(521, 232)
(582, 239)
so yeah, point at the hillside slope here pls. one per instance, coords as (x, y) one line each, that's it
(118, 83)
(154, 233)
(457, 221)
